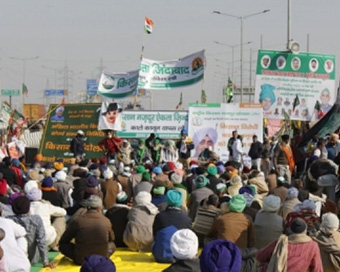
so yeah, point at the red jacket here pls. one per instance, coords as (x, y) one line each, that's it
(301, 257)
(111, 145)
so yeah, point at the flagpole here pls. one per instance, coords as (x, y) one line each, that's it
(141, 57)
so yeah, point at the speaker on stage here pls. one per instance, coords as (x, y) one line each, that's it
(30, 153)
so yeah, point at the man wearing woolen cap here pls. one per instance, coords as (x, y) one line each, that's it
(295, 252)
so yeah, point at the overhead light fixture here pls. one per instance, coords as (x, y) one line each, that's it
(294, 47)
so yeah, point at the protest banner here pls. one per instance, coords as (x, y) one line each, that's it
(118, 85)
(301, 85)
(164, 75)
(212, 124)
(58, 133)
(165, 124)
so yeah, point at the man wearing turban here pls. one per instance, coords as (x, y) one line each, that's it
(204, 138)
(267, 96)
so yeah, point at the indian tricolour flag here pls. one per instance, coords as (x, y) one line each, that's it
(148, 25)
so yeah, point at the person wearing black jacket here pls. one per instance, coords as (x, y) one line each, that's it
(184, 146)
(255, 153)
(77, 144)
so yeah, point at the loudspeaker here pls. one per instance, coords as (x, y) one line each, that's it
(30, 153)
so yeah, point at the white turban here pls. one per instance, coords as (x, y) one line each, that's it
(30, 185)
(271, 203)
(107, 174)
(60, 175)
(61, 108)
(293, 192)
(209, 131)
(184, 244)
(330, 221)
(307, 204)
(143, 198)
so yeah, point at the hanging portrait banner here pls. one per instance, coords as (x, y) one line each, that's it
(301, 85)
(110, 117)
(164, 75)
(212, 124)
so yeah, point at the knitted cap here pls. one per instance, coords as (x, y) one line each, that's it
(160, 190)
(220, 255)
(21, 205)
(298, 225)
(330, 221)
(237, 203)
(271, 203)
(176, 178)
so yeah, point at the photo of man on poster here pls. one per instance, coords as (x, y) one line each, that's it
(110, 116)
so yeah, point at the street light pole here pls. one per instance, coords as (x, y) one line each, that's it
(288, 24)
(241, 18)
(24, 74)
(232, 54)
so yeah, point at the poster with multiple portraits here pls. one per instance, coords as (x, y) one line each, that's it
(301, 85)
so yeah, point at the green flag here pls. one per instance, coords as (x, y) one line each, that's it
(203, 97)
(296, 102)
(24, 89)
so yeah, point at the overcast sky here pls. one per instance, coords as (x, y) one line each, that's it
(78, 33)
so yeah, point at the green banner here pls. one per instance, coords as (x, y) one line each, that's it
(301, 85)
(60, 130)
(5, 92)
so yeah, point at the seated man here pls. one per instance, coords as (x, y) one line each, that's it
(92, 233)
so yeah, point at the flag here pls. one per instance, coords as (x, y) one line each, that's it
(24, 89)
(180, 102)
(63, 101)
(296, 102)
(317, 105)
(148, 27)
(203, 97)
(229, 90)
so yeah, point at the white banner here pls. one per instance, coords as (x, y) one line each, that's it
(118, 85)
(164, 75)
(212, 125)
(165, 124)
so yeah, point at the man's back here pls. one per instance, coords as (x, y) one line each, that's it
(235, 227)
(92, 232)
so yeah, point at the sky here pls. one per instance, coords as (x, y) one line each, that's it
(77, 37)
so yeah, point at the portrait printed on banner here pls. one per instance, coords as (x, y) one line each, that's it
(58, 116)
(110, 117)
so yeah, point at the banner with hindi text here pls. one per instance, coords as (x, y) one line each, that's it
(211, 124)
(164, 75)
(301, 85)
(165, 124)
